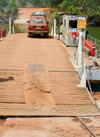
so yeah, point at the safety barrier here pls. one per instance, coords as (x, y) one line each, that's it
(90, 47)
(0, 33)
(4, 30)
(97, 43)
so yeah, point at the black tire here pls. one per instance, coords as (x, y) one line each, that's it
(28, 35)
(46, 35)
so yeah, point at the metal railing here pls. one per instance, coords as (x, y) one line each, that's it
(5, 26)
(97, 43)
(20, 28)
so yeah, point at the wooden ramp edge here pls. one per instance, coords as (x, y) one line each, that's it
(7, 109)
(65, 101)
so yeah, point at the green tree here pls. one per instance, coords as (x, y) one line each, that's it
(73, 10)
(55, 3)
(64, 5)
(68, 6)
(12, 5)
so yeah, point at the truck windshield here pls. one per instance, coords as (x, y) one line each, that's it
(38, 20)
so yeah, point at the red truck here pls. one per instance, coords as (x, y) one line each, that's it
(38, 24)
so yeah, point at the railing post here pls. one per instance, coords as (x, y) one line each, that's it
(52, 31)
(83, 78)
(8, 29)
(0, 34)
(96, 53)
(55, 27)
(95, 41)
(13, 29)
(21, 27)
(9, 25)
(80, 51)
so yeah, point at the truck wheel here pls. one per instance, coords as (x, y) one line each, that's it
(46, 35)
(28, 35)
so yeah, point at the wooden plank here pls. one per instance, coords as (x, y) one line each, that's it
(11, 87)
(6, 109)
(65, 91)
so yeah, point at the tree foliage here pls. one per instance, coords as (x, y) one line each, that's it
(68, 6)
(89, 8)
(12, 6)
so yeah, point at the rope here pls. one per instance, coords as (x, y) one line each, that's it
(75, 52)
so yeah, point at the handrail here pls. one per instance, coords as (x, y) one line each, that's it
(96, 42)
(4, 30)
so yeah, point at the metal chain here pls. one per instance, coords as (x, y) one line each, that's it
(92, 94)
(93, 134)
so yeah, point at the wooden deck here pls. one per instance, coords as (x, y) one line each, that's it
(68, 99)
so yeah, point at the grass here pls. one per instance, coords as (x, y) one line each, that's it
(94, 32)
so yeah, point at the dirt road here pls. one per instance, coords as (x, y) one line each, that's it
(24, 14)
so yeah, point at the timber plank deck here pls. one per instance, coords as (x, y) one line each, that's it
(7, 109)
(17, 50)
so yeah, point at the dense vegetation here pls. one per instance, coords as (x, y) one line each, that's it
(88, 8)
(8, 6)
